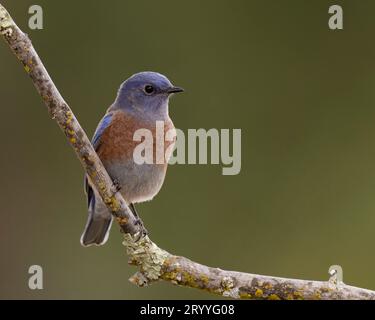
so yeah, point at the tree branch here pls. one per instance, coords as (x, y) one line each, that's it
(155, 263)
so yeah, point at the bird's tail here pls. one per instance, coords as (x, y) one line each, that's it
(96, 231)
(98, 224)
(99, 220)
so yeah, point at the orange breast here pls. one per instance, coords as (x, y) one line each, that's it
(117, 143)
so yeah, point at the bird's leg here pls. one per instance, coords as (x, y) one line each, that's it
(134, 210)
(139, 222)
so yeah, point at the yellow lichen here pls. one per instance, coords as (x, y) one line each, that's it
(245, 295)
(101, 185)
(115, 205)
(298, 295)
(27, 68)
(69, 117)
(318, 295)
(189, 279)
(204, 279)
(268, 286)
(121, 220)
(259, 293)
(274, 297)
(170, 275)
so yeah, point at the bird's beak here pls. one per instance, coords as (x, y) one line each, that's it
(174, 90)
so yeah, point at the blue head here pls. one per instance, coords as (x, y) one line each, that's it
(146, 94)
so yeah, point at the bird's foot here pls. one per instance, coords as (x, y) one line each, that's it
(143, 231)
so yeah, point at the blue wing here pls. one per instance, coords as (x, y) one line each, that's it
(103, 124)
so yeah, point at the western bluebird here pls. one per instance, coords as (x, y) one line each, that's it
(141, 101)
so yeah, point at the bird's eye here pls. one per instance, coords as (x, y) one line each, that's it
(149, 89)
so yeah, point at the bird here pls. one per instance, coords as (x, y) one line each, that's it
(141, 101)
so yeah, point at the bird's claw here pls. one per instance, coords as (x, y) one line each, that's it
(116, 185)
(143, 231)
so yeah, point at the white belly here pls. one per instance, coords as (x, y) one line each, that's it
(138, 183)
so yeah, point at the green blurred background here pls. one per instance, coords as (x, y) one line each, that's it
(302, 94)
